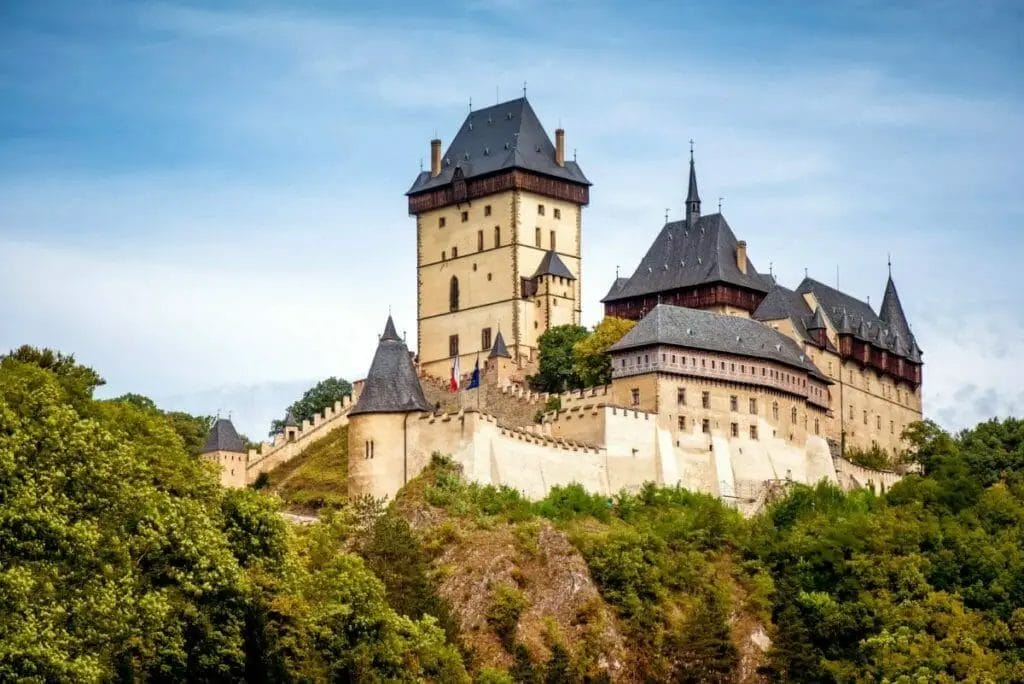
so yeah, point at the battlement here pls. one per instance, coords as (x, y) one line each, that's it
(293, 441)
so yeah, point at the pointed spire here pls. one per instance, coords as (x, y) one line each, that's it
(692, 196)
(499, 348)
(817, 322)
(290, 420)
(389, 331)
(891, 313)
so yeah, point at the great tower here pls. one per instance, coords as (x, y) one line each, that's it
(498, 230)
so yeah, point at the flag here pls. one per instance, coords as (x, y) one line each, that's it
(474, 380)
(454, 384)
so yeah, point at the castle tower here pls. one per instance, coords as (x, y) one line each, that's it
(224, 447)
(489, 212)
(381, 458)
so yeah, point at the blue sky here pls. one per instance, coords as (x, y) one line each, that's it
(205, 201)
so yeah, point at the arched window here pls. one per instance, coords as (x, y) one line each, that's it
(453, 294)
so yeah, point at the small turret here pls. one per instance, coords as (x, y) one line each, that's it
(692, 196)
(225, 447)
(816, 327)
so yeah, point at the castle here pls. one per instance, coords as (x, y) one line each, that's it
(729, 383)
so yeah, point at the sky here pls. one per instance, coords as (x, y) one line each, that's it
(205, 201)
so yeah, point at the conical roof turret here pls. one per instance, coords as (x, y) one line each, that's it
(891, 311)
(391, 385)
(290, 420)
(499, 348)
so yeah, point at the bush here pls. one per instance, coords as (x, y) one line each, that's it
(507, 604)
(572, 501)
(876, 457)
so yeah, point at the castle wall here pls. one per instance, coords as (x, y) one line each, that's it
(852, 476)
(232, 467)
(285, 447)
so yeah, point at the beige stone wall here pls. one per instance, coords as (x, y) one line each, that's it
(489, 277)
(378, 451)
(285, 447)
(232, 467)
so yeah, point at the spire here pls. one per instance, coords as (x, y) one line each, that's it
(891, 313)
(692, 196)
(391, 385)
(499, 348)
(290, 420)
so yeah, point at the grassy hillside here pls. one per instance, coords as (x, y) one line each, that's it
(317, 478)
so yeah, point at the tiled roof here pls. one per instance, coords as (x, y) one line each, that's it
(499, 348)
(697, 329)
(391, 385)
(684, 256)
(614, 289)
(552, 264)
(223, 437)
(506, 136)
(290, 420)
(782, 303)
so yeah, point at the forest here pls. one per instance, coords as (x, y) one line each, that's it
(122, 559)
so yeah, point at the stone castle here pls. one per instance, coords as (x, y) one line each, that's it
(729, 383)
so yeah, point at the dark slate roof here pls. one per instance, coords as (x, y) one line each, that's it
(290, 420)
(223, 437)
(683, 256)
(816, 322)
(892, 314)
(783, 303)
(614, 289)
(692, 195)
(506, 136)
(851, 315)
(697, 329)
(552, 264)
(391, 386)
(499, 348)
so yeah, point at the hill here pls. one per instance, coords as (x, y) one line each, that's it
(316, 478)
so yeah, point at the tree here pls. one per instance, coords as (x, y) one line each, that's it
(555, 367)
(591, 363)
(315, 400)
(77, 380)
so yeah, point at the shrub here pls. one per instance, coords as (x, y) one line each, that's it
(572, 501)
(507, 604)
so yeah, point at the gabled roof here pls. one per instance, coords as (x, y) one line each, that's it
(223, 437)
(782, 303)
(617, 285)
(499, 348)
(698, 329)
(684, 256)
(506, 136)
(552, 264)
(391, 386)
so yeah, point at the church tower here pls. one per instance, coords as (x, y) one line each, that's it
(498, 222)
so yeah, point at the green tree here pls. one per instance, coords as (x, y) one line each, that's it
(555, 371)
(315, 400)
(591, 363)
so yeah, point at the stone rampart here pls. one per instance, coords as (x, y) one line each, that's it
(286, 446)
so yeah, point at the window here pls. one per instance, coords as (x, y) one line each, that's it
(368, 449)
(440, 222)
(682, 422)
(681, 396)
(705, 399)
(558, 213)
(540, 210)
(553, 244)
(712, 364)
(497, 236)
(817, 426)
(865, 417)
(485, 339)
(479, 240)
(753, 432)
(734, 429)
(635, 396)
(455, 252)
(775, 410)
(487, 210)
(536, 236)
(647, 358)
(444, 255)
(892, 427)
(878, 422)
(792, 416)
(489, 275)
(465, 216)
(453, 345)
(732, 367)
(673, 358)
(734, 403)
(753, 405)
(705, 426)
(453, 294)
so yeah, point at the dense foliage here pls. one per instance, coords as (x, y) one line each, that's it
(590, 360)
(315, 400)
(571, 357)
(122, 559)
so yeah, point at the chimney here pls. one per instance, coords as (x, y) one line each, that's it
(741, 256)
(435, 158)
(560, 146)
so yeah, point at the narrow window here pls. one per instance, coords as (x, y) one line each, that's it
(705, 426)
(453, 345)
(878, 422)
(455, 252)
(753, 432)
(487, 210)
(892, 427)
(453, 294)
(681, 396)
(705, 399)
(734, 429)
(682, 422)
(553, 244)
(865, 417)
(775, 410)
(465, 216)
(489, 277)
(497, 236)
(540, 209)
(635, 396)
(536, 237)
(485, 339)
(753, 406)
(440, 222)
(734, 403)
(792, 416)
(444, 255)
(558, 213)
(479, 240)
